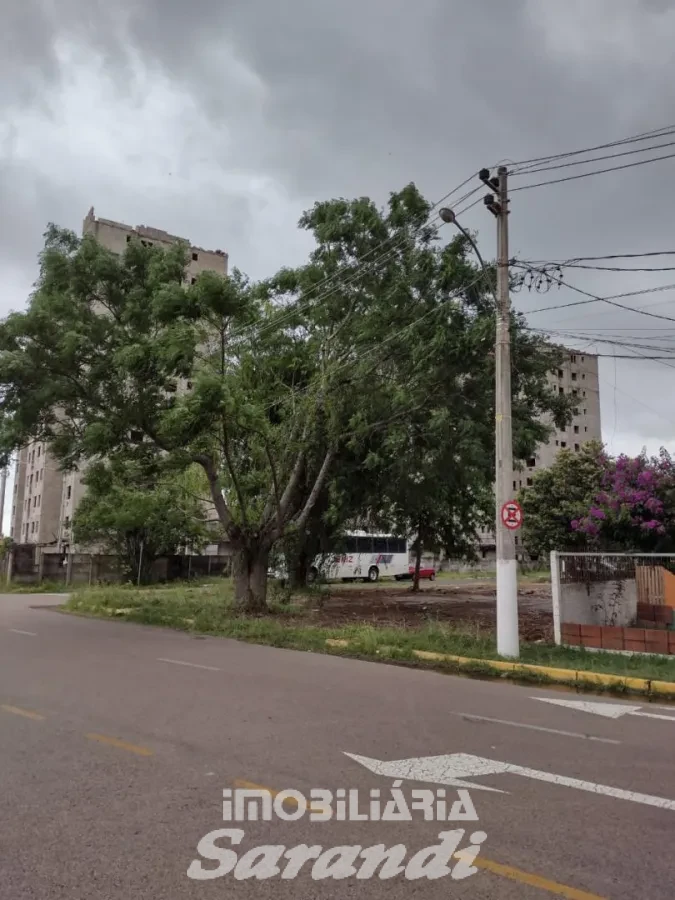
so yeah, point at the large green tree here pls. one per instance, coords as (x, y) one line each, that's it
(272, 388)
(559, 496)
(416, 329)
(115, 351)
(138, 511)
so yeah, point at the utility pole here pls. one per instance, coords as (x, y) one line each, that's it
(3, 490)
(507, 571)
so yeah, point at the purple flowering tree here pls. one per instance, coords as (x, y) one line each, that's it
(635, 508)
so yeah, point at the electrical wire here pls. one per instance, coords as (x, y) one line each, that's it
(633, 139)
(611, 300)
(583, 162)
(295, 309)
(643, 162)
(576, 259)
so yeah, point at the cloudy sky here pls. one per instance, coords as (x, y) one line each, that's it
(221, 120)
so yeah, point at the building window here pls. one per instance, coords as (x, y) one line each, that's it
(576, 448)
(195, 256)
(576, 429)
(575, 392)
(70, 491)
(34, 501)
(193, 281)
(573, 358)
(561, 390)
(583, 393)
(574, 376)
(39, 450)
(514, 485)
(529, 482)
(557, 443)
(563, 443)
(560, 373)
(39, 500)
(585, 411)
(583, 358)
(531, 463)
(585, 428)
(32, 527)
(128, 239)
(583, 376)
(576, 410)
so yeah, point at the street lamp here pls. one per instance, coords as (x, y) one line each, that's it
(449, 217)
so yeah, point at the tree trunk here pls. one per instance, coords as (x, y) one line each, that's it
(418, 562)
(297, 572)
(250, 579)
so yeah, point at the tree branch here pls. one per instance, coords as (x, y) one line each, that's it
(274, 495)
(233, 476)
(224, 513)
(318, 484)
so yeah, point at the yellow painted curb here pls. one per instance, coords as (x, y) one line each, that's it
(574, 676)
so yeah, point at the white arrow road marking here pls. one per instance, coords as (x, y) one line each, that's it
(453, 767)
(608, 710)
(19, 631)
(449, 769)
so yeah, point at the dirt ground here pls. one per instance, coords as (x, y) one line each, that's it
(472, 603)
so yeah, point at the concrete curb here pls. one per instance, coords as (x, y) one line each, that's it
(582, 678)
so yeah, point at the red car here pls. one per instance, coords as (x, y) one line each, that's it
(425, 572)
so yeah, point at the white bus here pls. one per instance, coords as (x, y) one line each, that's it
(363, 556)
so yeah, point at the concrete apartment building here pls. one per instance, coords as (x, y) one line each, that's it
(578, 376)
(45, 499)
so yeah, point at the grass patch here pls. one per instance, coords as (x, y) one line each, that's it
(209, 609)
(44, 587)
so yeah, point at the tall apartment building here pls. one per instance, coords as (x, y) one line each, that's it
(44, 498)
(578, 377)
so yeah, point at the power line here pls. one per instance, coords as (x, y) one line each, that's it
(643, 162)
(295, 309)
(611, 300)
(616, 268)
(583, 162)
(576, 259)
(643, 136)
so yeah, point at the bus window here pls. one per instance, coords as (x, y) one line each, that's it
(350, 545)
(364, 545)
(380, 545)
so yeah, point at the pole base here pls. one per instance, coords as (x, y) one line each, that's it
(508, 643)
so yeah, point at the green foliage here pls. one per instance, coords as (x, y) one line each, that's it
(135, 511)
(358, 384)
(559, 496)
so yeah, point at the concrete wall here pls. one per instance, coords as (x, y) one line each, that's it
(599, 603)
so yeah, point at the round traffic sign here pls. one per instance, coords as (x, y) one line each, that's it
(512, 515)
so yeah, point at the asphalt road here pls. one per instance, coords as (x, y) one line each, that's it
(117, 741)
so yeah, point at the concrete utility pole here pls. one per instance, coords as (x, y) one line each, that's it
(3, 490)
(507, 571)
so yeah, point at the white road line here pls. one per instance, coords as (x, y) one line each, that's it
(19, 631)
(574, 734)
(646, 715)
(180, 662)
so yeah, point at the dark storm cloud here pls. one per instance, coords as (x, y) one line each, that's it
(362, 96)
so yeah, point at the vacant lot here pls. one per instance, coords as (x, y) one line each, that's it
(471, 602)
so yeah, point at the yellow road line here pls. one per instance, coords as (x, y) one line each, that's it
(121, 745)
(518, 875)
(480, 862)
(17, 711)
